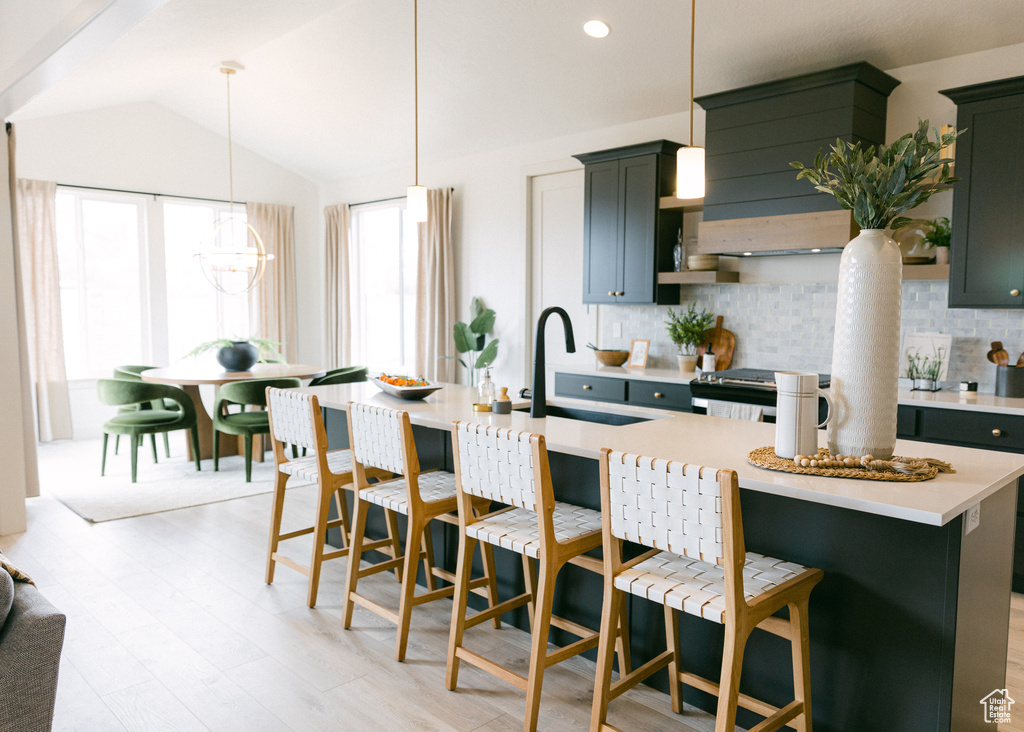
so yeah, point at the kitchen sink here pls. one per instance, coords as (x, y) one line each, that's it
(586, 415)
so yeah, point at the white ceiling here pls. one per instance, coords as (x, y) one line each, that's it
(328, 85)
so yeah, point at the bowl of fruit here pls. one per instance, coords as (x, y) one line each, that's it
(404, 387)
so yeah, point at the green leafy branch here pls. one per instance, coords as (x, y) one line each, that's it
(687, 329)
(878, 188)
(470, 339)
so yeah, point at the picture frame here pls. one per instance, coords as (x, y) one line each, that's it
(926, 351)
(638, 349)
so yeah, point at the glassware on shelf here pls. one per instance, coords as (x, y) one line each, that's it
(679, 252)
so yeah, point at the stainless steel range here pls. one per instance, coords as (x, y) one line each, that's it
(715, 393)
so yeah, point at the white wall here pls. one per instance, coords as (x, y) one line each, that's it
(146, 147)
(490, 226)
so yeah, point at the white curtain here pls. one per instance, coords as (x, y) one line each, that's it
(36, 244)
(272, 304)
(339, 308)
(435, 289)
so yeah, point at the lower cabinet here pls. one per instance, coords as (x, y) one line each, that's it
(674, 396)
(982, 430)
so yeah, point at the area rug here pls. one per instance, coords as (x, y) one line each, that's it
(69, 470)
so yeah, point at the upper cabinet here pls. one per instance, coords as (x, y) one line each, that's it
(627, 238)
(754, 201)
(987, 250)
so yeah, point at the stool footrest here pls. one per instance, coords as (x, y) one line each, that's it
(593, 564)
(501, 607)
(627, 682)
(381, 567)
(570, 627)
(433, 595)
(492, 668)
(573, 649)
(747, 702)
(374, 607)
(335, 554)
(293, 534)
(290, 563)
(778, 720)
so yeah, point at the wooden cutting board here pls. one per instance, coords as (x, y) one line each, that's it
(723, 344)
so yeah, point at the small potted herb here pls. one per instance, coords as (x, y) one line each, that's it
(686, 330)
(939, 235)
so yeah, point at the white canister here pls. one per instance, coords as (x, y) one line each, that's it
(707, 363)
(796, 419)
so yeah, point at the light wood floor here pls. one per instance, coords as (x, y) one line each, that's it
(171, 627)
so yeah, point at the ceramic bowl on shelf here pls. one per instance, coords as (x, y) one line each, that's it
(612, 358)
(405, 392)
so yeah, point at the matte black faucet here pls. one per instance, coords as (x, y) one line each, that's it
(538, 394)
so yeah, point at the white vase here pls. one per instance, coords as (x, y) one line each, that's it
(866, 347)
(941, 255)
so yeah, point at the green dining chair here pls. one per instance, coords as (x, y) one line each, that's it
(138, 423)
(346, 375)
(251, 392)
(133, 372)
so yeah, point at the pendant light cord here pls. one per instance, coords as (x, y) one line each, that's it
(231, 168)
(693, 24)
(416, 81)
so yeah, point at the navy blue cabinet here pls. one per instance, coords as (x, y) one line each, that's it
(627, 238)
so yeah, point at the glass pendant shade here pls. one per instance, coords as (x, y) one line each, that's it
(234, 258)
(690, 172)
(416, 203)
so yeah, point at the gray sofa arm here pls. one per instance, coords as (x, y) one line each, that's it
(30, 646)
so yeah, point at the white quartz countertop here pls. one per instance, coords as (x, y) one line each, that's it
(718, 443)
(945, 399)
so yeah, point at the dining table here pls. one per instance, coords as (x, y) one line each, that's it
(190, 375)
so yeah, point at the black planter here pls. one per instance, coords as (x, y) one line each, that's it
(238, 357)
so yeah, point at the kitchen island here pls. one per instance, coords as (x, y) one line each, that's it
(909, 627)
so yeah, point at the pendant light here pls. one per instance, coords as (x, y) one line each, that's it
(416, 195)
(234, 259)
(690, 160)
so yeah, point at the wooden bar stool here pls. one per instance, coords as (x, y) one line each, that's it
(382, 439)
(690, 515)
(296, 419)
(512, 468)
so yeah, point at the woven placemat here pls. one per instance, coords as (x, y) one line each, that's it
(765, 457)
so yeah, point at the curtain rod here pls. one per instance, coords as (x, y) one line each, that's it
(383, 200)
(148, 193)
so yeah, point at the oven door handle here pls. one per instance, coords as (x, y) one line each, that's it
(702, 403)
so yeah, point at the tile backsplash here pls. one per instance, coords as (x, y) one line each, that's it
(790, 326)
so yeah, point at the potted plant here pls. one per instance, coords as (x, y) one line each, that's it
(239, 355)
(686, 330)
(471, 339)
(877, 188)
(939, 235)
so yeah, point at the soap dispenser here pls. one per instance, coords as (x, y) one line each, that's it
(485, 390)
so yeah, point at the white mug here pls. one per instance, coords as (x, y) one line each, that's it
(796, 419)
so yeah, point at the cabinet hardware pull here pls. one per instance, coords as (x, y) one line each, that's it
(1014, 292)
(658, 395)
(611, 294)
(620, 294)
(997, 433)
(586, 387)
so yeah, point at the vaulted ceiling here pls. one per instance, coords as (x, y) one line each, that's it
(328, 86)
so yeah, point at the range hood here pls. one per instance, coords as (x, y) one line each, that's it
(754, 203)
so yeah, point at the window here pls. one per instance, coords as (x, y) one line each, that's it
(131, 289)
(383, 266)
(100, 244)
(191, 299)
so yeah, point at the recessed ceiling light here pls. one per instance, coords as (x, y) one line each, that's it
(815, 250)
(596, 28)
(747, 254)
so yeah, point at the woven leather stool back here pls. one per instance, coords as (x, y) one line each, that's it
(497, 463)
(666, 505)
(377, 437)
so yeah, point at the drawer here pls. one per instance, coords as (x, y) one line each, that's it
(599, 388)
(994, 431)
(660, 394)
